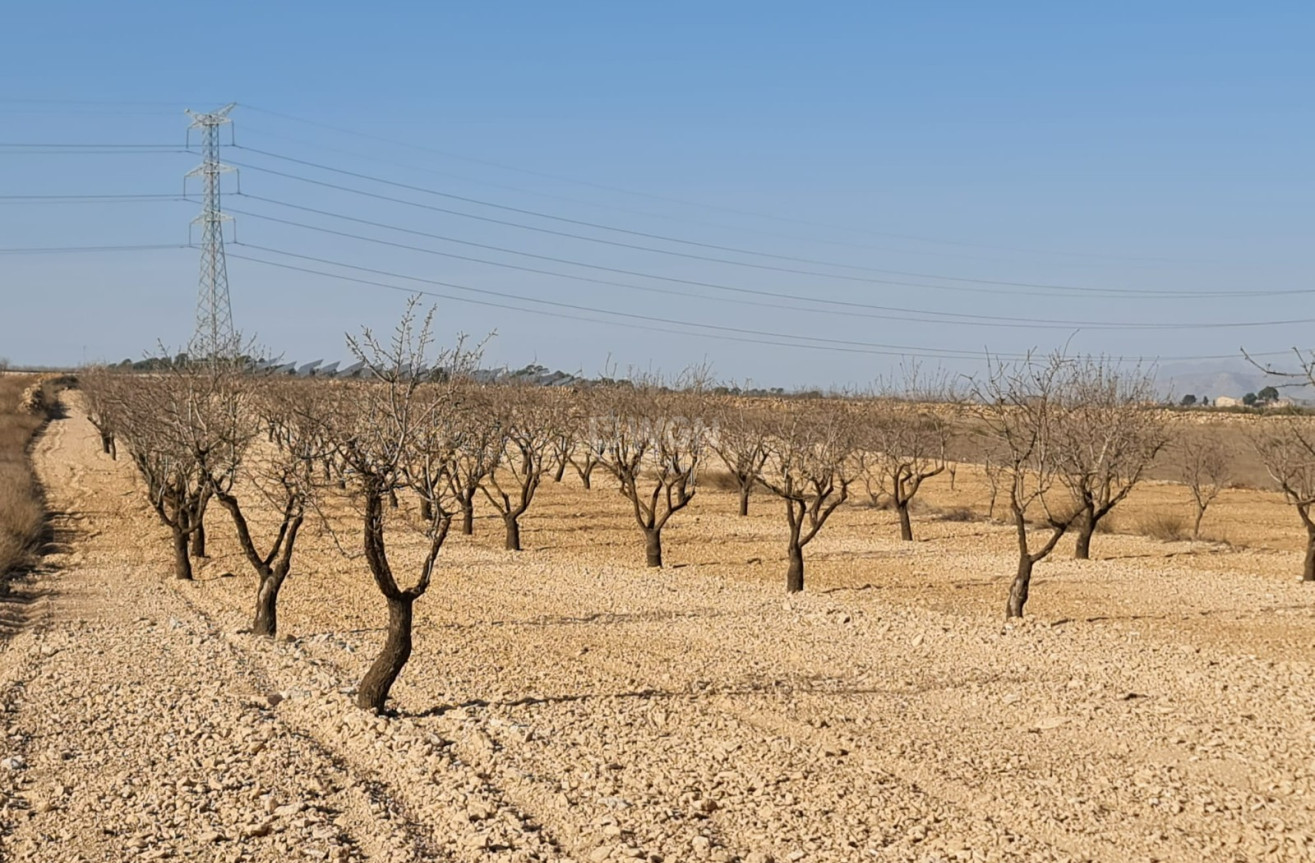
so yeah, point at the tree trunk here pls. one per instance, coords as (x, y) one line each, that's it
(1086, 527)
(513, 532)
(392, 498)
(794, 575)
(1196, 525)
(653, 546)
(182, 562)
(585, 477)
(426, 509)
(560, 472)
(198, 537)
(372, 693)
(905, 526)
(1308, 571)
(1018, 590)
(745, 488)
(468, 517)
(267, 598)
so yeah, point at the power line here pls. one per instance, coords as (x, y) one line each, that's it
(42, 250)
(685, 202)
(82, 146)
(868, 347)
(86, 199)
(928, 316)
(735, 334)
(1035, 286)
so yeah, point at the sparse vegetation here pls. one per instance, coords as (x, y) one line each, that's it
(21, 512)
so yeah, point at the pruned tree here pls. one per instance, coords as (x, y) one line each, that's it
(478, 449)
(1286, 446)
(528, 418)
(1205, 468)
(283, 477)
(655, 439)
(1019, 406)
(904, 444)
(395, 430)
(182, 427)
(590, 445)
(740, 441)
(1107, 434)
(97, 385)
(810, 465)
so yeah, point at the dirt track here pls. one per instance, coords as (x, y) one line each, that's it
(565, 703)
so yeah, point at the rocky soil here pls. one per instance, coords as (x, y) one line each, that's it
(567, 704)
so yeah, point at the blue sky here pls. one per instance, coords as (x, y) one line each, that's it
(1126, 148)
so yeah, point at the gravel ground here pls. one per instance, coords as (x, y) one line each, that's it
(567, 704)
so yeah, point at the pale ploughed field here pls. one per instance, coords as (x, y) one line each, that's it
(566, 703)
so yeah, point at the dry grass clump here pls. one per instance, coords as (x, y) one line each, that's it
(23, 405)
(1166, 526)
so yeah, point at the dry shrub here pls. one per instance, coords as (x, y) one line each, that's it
(1164, 525)
(955, 514)
(21, 513)
(718, 480)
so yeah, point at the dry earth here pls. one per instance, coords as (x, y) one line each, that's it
(567, 704)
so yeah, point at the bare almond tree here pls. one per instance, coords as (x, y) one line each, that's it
(1107, 435)
(1019, 406)
(590, 445)
(283, 477)
(810, 466)
(1205, 468)
(904, 445)
(392, 430)
(181, 428)
(655, 439)
(97, 388)
(1286, 446)
(740, 441)
(527, 418)
(478, 449)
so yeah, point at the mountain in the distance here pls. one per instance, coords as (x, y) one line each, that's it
(1232, 378)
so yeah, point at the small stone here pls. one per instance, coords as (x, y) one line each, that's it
(14, 762)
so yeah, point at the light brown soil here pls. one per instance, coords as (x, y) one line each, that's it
(567, 703)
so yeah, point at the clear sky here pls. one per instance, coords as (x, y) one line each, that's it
(852, 181)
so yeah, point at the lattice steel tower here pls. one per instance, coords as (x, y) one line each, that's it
(214, 337)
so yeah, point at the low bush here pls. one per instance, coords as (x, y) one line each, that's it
(1164, 526)
(23, 405)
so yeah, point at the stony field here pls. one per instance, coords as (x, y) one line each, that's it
(565, 703)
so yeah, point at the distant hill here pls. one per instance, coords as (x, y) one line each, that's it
(1228, 378)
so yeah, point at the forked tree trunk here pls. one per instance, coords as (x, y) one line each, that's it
(513, 532)
(653, 546)
(1196, 524)
(267, 598)
(1018, 590)
(182, 562)
(905, 525)
(745, 488)
(794, 574)
(372, 693)
(560, 472)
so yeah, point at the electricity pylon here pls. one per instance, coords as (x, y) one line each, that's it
(214, 338)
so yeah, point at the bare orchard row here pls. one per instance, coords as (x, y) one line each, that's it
(1064, 440)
